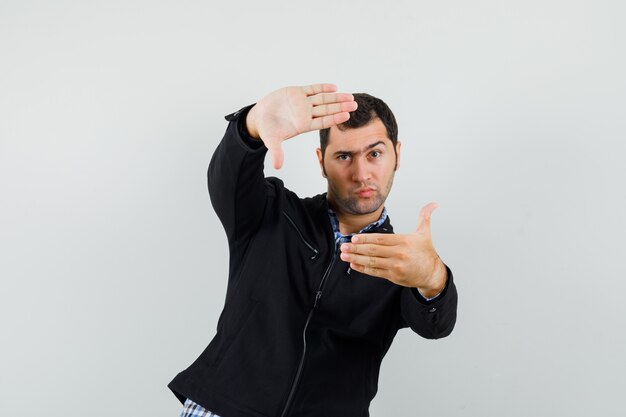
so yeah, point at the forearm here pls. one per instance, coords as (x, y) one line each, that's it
(235, 177)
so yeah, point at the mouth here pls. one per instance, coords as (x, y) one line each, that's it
(365, 192)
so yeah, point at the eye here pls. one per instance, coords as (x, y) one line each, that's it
(343, 157)
(375, 154)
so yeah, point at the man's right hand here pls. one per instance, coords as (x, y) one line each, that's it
(289, 111)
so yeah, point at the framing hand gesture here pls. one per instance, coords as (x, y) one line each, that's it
(289, 111)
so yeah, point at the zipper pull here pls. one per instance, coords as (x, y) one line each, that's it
(317, 299)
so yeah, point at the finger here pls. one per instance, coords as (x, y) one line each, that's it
(370, 249)
(328, 121)
(318, 99)
(326, 109)
(277, 155)
(385, 239)
(368, 261)
(423, 224)
(374, 272)
(319, 88)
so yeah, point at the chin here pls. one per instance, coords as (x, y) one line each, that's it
(362, 206)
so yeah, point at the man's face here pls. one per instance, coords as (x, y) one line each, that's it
(359, 165)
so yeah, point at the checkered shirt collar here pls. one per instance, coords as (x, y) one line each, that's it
(340, 238)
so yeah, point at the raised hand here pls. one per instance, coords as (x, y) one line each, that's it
(409, 260)
(290, 111)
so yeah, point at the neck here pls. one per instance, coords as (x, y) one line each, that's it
(351, 223)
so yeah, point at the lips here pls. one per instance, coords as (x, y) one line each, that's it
(364, 192)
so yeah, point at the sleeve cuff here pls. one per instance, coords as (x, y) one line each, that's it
(239, 117)
(428, 298)
(424, 300)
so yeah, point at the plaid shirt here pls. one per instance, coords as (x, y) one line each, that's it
(339, 238)
(191, 409)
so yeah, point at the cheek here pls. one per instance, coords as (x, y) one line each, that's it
(385, 175)
(337, 182)
(335, 173)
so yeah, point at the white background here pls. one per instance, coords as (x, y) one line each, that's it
(113, 264)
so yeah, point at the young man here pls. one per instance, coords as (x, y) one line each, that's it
(318, 287)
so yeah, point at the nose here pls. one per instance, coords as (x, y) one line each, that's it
(360, 171)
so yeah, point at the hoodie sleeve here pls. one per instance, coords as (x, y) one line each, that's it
(237, 185)
(430, 319)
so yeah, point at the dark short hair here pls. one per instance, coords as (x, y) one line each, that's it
(369, 108)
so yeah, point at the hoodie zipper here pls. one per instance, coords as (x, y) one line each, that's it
(318, 296)
(316, 253)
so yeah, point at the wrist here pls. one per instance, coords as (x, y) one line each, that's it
(437, 281)
(251, 125)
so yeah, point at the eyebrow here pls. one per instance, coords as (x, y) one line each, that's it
(380, 142)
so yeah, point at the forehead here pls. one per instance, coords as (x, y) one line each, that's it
(355, 139)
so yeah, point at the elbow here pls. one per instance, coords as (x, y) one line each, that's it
(439, 332)
(435, 327)
(433, 320)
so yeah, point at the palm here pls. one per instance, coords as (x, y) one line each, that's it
(290, 114)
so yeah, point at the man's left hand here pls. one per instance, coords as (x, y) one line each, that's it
(409, 260)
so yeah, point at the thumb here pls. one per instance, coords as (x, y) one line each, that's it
(277, 154)
(423, 224)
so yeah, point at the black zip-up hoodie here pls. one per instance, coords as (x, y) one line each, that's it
(301, 334)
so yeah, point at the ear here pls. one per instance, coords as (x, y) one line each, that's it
(398, 143)
(320, 159)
